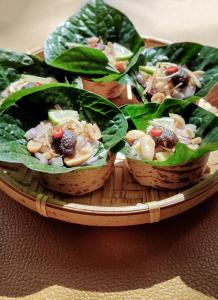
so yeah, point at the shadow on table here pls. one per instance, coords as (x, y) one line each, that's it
(37, 253)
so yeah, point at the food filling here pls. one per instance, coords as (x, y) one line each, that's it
(64, 140)
(158, 142)
(25, 82)
(168, 80)
(117, 54)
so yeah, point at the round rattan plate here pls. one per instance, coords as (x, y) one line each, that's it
(121, 202)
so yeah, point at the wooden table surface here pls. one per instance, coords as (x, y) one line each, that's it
(47, 259)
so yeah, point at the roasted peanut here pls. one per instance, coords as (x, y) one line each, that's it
(134, 135)
(33, 146)
(147, 147)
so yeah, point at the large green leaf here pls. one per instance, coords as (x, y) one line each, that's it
(83, 60)
(194, 56)
(25, 109)
(206, 123)
(94, 19)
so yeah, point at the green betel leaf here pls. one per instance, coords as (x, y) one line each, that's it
(206, 123)
(98, 19)
(25, 109)
(194, 56)
(14, 59)
(84, 60)
(7, 76)
(11, 63)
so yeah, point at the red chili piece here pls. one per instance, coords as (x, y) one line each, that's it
(156, 132)
(58, 133)
(38, 83)
(171, 70)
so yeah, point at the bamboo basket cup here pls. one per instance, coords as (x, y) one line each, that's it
(168, 178)
(121, 201)
(108, 90)
(78, 182)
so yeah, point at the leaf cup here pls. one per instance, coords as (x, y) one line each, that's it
(95, 19)
(185, 166)
(26, 108)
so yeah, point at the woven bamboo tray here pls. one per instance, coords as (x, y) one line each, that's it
(121, 202)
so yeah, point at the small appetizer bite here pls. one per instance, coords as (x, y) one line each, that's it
(168, 80)
(99, 44)
(20, 71)
(169, 147)
(70, 150)
(159, 140)
(64, 140)
(178, 70)
(25, 82)
(88, 47)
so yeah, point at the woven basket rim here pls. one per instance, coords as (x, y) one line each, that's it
(210, 183)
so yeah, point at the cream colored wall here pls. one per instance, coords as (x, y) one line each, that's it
(24, 24)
